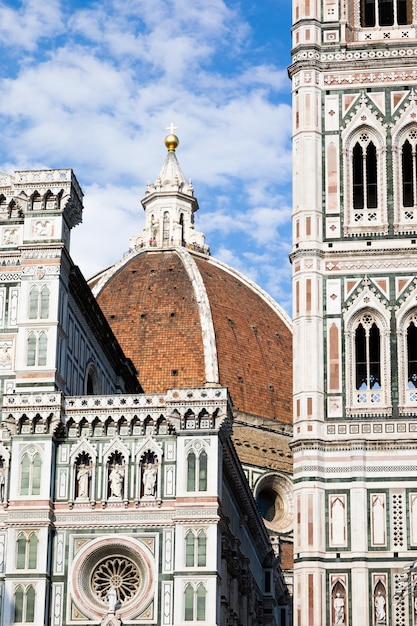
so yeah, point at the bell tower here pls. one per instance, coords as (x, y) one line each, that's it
(354, 259)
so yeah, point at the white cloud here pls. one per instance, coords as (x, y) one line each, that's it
(115, 214)
(99, 97)
(34, 21)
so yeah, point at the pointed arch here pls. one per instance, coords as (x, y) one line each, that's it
(196, 467)
(367, 361)
(364, 182)
(407, 356)
(37, 348)
(404, 156)
(30, 471)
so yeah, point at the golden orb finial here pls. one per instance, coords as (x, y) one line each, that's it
(171, 140)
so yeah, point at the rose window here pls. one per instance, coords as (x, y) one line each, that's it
(120, 563)
(120, 573)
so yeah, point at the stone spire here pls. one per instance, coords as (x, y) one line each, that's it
(169, 206)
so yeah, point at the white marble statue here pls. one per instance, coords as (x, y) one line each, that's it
(339, 609)
(149, 480)
(116, 481)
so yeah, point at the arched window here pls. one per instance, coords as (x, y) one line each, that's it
(189, 603)
(368, 355)
(24, 604)
(42, 348)
(385, 13)
(30, 475)
(364, 173)
(195, 603)
(32, 551)
(201, 549)
(197, 471)
(201, 603)
(195, 549)
(39, 303)
(27, 551)
(191, 464)
(412, 355)
(37, 348)
(21, 551)
(202, 471)
(30, 604)
(31, 350)
(189, 549)
(92, 380)
(408, 167)
(366, 362)
(364, 181)
(408, 359)
(44, 303)
(18, 604)
(24, 475)
(408, 176)
(33, 303)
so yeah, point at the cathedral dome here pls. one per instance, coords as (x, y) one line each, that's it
(186, 319)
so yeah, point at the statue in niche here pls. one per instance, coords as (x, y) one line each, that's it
(380, 615)
(83, 480)
(149, 480)
(339, 609)
(116, 479)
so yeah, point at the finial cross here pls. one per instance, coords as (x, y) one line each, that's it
(172, 128)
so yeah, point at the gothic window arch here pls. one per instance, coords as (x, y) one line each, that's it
(37, 347)
(91, 380)
(385, 13)
(24, 604)
(367, 356)
(30, 474)
(195, 602)
(364, 184)
(407, 359)
(195, 548)
(405, 177)
(39, 302)
(27, 551)
(197, 462)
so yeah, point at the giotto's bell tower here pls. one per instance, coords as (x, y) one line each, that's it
(354, 80)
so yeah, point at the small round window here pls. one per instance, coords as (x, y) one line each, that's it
(273, 495)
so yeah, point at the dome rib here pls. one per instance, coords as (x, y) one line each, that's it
(206, 319)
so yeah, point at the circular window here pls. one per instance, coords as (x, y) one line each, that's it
(120, 573)
(273, 495)
(122, 563)
(270, 505)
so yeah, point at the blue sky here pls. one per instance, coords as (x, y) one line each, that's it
(93, 86)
